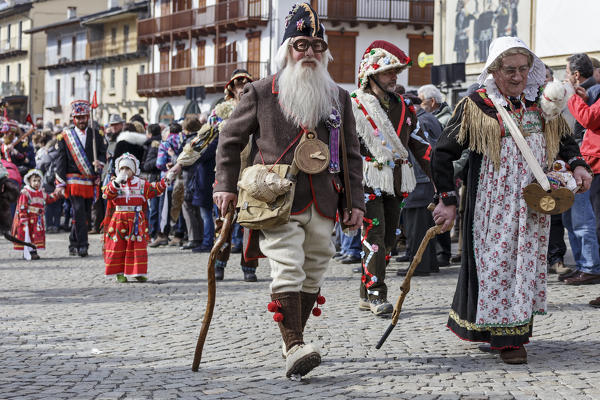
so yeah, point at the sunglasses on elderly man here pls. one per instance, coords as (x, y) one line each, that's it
(302, 45)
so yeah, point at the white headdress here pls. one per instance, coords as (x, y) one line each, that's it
(30, 173)
(128, 160)
(535, 78)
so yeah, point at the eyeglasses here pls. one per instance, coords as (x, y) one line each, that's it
(512, 71)
(302, 45)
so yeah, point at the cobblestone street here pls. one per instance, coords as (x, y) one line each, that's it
(70, 333)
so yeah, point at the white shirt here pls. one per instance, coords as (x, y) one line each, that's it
(81, 136)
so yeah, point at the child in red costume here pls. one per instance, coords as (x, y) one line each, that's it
(29, 223)
(125, 226)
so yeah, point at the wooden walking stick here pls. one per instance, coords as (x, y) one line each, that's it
(405, 287)
(212, 284)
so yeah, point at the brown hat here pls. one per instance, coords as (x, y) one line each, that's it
(192, 124)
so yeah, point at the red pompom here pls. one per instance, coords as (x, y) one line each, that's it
(372, 196)
(316, 312)
(367, 158)
(320, 300)
(272, 307)
(363, 279)
(278, 317)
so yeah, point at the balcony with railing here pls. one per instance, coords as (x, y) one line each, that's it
(212, 77)
(14, 46)
(108, 48)
(229, 15)
(12, 89)
(372, 12)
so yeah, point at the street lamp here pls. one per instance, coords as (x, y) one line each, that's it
(86, 78)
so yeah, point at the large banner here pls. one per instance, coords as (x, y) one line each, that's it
(578, 32)
(471, 25)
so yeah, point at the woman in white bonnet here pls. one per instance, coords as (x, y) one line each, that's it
(502, 280)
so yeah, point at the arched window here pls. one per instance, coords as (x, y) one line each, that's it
(192, 110)
(166, 115)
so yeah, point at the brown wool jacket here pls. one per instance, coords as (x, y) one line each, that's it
(259, 113)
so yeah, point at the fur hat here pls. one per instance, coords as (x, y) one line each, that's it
(32, 172)
(302, 20)
(237, 74)
(128, 160)
(139, 127)
(80, 107)
(378, 57)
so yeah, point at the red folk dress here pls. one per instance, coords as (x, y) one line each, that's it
(29, 224)
(126, 228)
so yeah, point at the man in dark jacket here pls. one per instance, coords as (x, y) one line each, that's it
(417, 218)
(77, 172)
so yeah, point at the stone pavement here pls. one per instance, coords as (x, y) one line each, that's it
(69, 333)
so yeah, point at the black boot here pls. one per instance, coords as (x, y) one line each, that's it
(249, 274)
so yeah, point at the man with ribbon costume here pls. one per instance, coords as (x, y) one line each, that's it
(502, 280)
(301, 103)
(203, 147)
(78, 172)
(387, 127)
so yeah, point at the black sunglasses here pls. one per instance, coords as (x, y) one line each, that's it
(302, 45)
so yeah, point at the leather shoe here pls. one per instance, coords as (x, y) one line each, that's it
(250, 277)
(403, 258)
(571, 273)
(583, 278)
(456, 259)
(403, 272)
(219, 273)
(514, 356)
(82, 252)
(595, 303)
(201, 249)
(72, 251)
(350, 260)
(443, 261)
(190, 245)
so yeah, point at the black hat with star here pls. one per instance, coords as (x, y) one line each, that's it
(303, 21)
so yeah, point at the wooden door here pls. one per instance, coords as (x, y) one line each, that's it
(181, 5)
(254, 55)
(164, 59)
(343, 49)
(418, 76)
(341, 9)
(165, 7)
(201, 59)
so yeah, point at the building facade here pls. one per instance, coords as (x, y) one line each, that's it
(463, 30)
(197, 44)
(113, 44)
(15, 59)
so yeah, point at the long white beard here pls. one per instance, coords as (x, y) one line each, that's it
(306, 94)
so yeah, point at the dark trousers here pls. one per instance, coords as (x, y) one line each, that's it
(556, 244)
(443, 245)
(416, 222)
(98, 209)
(386, 209)
(82, 214)
(595, 199)
(53, 212)
(154, 216)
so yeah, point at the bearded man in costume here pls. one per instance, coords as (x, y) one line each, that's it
(203, 148)
(278, 111)
(502, 280)
(78, 172)
(387, 127)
